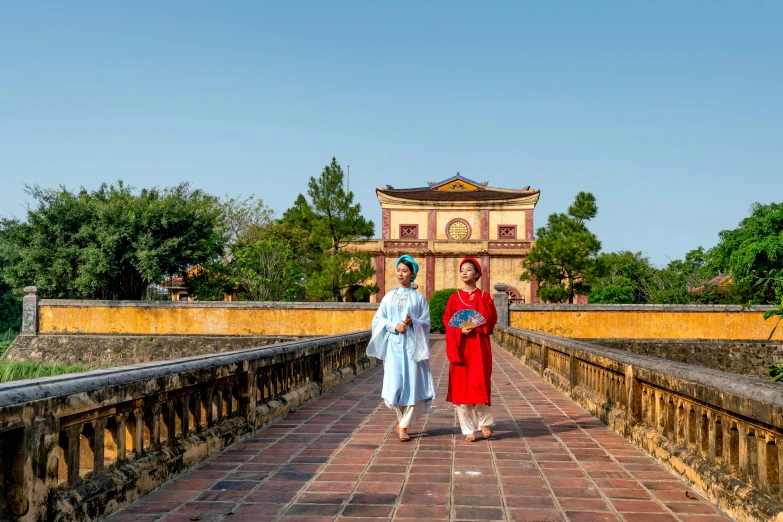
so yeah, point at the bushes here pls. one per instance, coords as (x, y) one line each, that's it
(438, 303)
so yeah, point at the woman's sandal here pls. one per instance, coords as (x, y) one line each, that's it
(471, 437)
(486, 431)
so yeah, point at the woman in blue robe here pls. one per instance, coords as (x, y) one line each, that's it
(401, 338)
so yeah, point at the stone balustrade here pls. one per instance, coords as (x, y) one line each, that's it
(720, 431)
(80, 446)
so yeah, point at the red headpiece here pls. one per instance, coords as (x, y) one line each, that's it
(475, 263)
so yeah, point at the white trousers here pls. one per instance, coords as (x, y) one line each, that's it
(473, 416)
(407, 415)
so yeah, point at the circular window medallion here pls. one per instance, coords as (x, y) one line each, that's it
(458, 229)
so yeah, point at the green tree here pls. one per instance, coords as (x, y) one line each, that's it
(266, 270)
(262, 260)
(10, 307)
(684, 281)
(109, 243)
(244, 220)
(754, 250)
(622, 279)
(563, 260)
(335, 222)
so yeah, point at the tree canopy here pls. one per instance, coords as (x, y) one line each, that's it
(110, 243)
(563, 260)
(334, 222)
(754, 250)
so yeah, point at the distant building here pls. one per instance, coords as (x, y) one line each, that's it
(441, 224)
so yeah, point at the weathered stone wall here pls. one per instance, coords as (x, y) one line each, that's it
(105, 351)
(714, 322)
(742, 357)
(81, 446)
(722, 432)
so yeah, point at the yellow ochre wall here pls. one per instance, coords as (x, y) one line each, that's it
(408, 217)
(195, 320)
(581, 324)
(507, 270)
(506, 217)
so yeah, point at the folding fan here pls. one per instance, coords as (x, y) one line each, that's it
(465, 318)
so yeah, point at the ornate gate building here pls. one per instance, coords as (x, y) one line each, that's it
(442, 223)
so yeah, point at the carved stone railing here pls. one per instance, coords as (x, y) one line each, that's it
(81, 446)
(720, 431)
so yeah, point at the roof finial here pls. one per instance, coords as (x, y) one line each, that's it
(457, 173)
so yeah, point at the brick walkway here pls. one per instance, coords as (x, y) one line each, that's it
(338, 458)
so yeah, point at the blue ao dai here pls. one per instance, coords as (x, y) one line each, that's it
(407, 378)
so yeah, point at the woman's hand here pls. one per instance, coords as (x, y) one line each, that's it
(401, 328)
(407, 321)
(467, 330)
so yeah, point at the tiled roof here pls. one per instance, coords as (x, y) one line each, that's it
(484, 194)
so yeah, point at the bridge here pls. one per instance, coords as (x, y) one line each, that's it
(338, 458)
(297, 430)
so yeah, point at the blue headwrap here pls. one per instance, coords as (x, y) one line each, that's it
(410, 260)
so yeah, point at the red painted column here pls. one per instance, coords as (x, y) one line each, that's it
(484, 232)
(486, 271)
(386, 223)
(432, 224)
(380, 276)
(534, 291)
(529, 224)
(430, 283)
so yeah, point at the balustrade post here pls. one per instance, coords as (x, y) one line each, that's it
(73, 455)
(30, 311)
(209, 407)
(500, 299)
(99, 445)
(727, 451)
(38, 472)
(186, 415)
(171, 422)
(761, 456)
(571, 373)
(679, 429)
(248, 391)
(138, 432)
(122, 426)
(633, 399)
(321, 369)
(779, 448)
(544, 358)
(155, 428)
(742, 432)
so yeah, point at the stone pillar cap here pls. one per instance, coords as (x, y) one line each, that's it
(501, 287)
(30, 289)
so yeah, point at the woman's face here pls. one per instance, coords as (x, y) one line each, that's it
(404, 274)
(467, 272)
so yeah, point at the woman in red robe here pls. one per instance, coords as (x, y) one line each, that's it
(470, 354)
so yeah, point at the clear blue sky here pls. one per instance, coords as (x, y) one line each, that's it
(671, 113)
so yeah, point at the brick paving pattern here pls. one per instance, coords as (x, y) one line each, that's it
(338, 458)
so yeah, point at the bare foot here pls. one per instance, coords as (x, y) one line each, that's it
(397, 428)
(471, 437)
(486, 432)
(403, 434)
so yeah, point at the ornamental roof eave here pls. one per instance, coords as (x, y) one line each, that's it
(490, 197)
